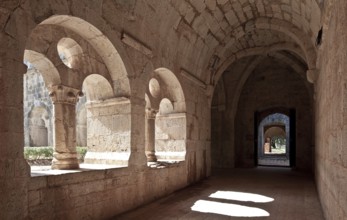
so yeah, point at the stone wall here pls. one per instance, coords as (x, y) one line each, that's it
(170, 135)
(100, 194)
(14, 171)
(194, 39)
(331, 113)
(108, 133)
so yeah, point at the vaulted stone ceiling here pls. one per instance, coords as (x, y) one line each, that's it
(233, 29)
(206, 36)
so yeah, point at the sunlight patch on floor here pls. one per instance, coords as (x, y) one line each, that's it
(228, 209)
(241, 196)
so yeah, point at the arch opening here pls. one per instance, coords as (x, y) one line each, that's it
(170, 132)
(165, 118)
(102, 45)
(275, 136)
(101, 94)
(108, 123)
(40, 63)
(249, 86)
(273, 140)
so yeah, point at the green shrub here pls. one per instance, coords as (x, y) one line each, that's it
(36, 153)
(81, 151)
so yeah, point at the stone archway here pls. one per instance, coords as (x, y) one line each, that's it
(88, 56)
(272, 126)
(253, 84)
(165, 117)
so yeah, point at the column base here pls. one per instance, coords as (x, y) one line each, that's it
(151, 156)
(65, 161)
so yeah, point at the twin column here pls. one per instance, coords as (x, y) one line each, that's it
(64, 101)
(150, 135)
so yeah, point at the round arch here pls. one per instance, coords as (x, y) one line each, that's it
(47, 69)
(272, 121)
(171, 88)
(302, 46)
(165, 106)
(97, 88)
(166, 123)
(274, 51)
(255, 51)
(101, 44)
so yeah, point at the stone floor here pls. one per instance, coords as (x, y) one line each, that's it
(260, 193)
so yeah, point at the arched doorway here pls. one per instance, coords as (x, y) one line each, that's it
(267, 90)
(273, 145)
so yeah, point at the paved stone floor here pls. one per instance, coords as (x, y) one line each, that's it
(260, 193)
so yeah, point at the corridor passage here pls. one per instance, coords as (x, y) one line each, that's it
(260, 193)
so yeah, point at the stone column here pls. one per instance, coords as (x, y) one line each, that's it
(150, 135)
(14, 170)
(64, 127)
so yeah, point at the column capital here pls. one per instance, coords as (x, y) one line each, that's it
(151, 113)
(64, 94)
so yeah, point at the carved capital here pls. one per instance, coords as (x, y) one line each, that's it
(151, 113)
(64, 94)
